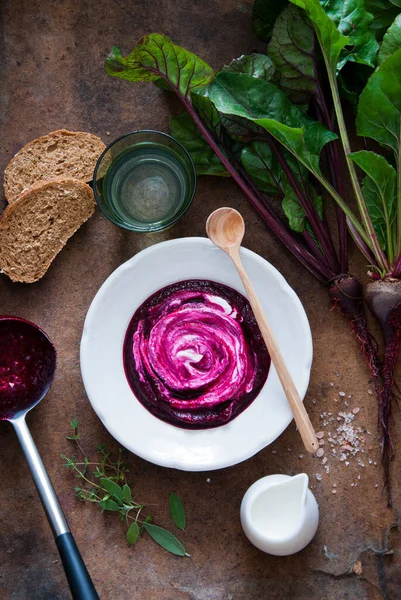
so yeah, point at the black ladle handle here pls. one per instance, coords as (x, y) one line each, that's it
(79, 580)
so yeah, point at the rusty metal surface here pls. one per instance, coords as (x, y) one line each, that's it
(53, 77)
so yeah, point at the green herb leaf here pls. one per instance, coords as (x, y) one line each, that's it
(112, 488)
(391, 41)
(165, 539)
(187, 133)
(156, 58)
(127, 496)
(292, 50)
(384, 13)
(133, 533)
(379, 191)
(264, 104)
(109, 505)
(177, 511)
(380, 104)
(255, 65)
(264, 16)
(74, 427)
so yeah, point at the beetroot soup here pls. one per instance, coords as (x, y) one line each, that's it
(193, 354)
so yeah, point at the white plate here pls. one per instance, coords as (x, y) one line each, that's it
(103, 372)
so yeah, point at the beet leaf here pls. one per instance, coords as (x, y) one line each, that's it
(255, 65)
(332, 44)
(353, 20)
(384, 12)
(391, 41)
(379, 191)
(205, 160)
(264, 17)
(291, 49)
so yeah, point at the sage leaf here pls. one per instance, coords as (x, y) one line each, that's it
(379, 192)
(156, 58)
(177, 511)
(380, 104)
(292, 50)
(391, 41)
(264, 104)
(187, 133)
(127, 496)
(109, 505)
(264, 16)
(165, 539)
(133, 533)
(112, 488)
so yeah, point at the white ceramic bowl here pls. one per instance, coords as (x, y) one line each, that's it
(103, 372)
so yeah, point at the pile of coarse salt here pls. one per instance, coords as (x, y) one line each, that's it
(345, 438)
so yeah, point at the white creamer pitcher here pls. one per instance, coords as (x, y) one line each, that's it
(279, 514)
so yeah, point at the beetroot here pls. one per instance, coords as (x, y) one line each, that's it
(384, 300)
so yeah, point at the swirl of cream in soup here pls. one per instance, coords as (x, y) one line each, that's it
(193, 354)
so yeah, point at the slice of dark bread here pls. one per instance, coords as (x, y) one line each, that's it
(35, 227)
(59, 154)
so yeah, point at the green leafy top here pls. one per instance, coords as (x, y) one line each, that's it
(156, 57)
(379, 191)
(391, 41)
(380, 103)
(331, 40)
(254, 65)
(264, 16)
(353, 20)
(264, 104)
(384, 13)
(292, 50)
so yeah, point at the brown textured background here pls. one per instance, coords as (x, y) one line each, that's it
(52, 76)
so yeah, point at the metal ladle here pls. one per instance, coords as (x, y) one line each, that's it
(27, 367)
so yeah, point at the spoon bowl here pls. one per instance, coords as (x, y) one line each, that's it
(225, 227)
(27, 368)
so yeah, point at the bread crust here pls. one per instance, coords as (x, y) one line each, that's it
(11, 174)
(11, 265)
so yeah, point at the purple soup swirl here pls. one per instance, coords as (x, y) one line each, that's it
(193, 354)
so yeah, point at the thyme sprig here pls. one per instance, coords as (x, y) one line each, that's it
(103, 481)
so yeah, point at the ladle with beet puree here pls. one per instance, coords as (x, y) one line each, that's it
(27, 367)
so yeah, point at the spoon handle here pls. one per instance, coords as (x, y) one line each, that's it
(79, 580)
(301, 417)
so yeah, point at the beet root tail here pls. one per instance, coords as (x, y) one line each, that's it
(384, 300)
(346, 294)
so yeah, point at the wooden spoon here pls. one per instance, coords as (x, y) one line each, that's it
(225, 228)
